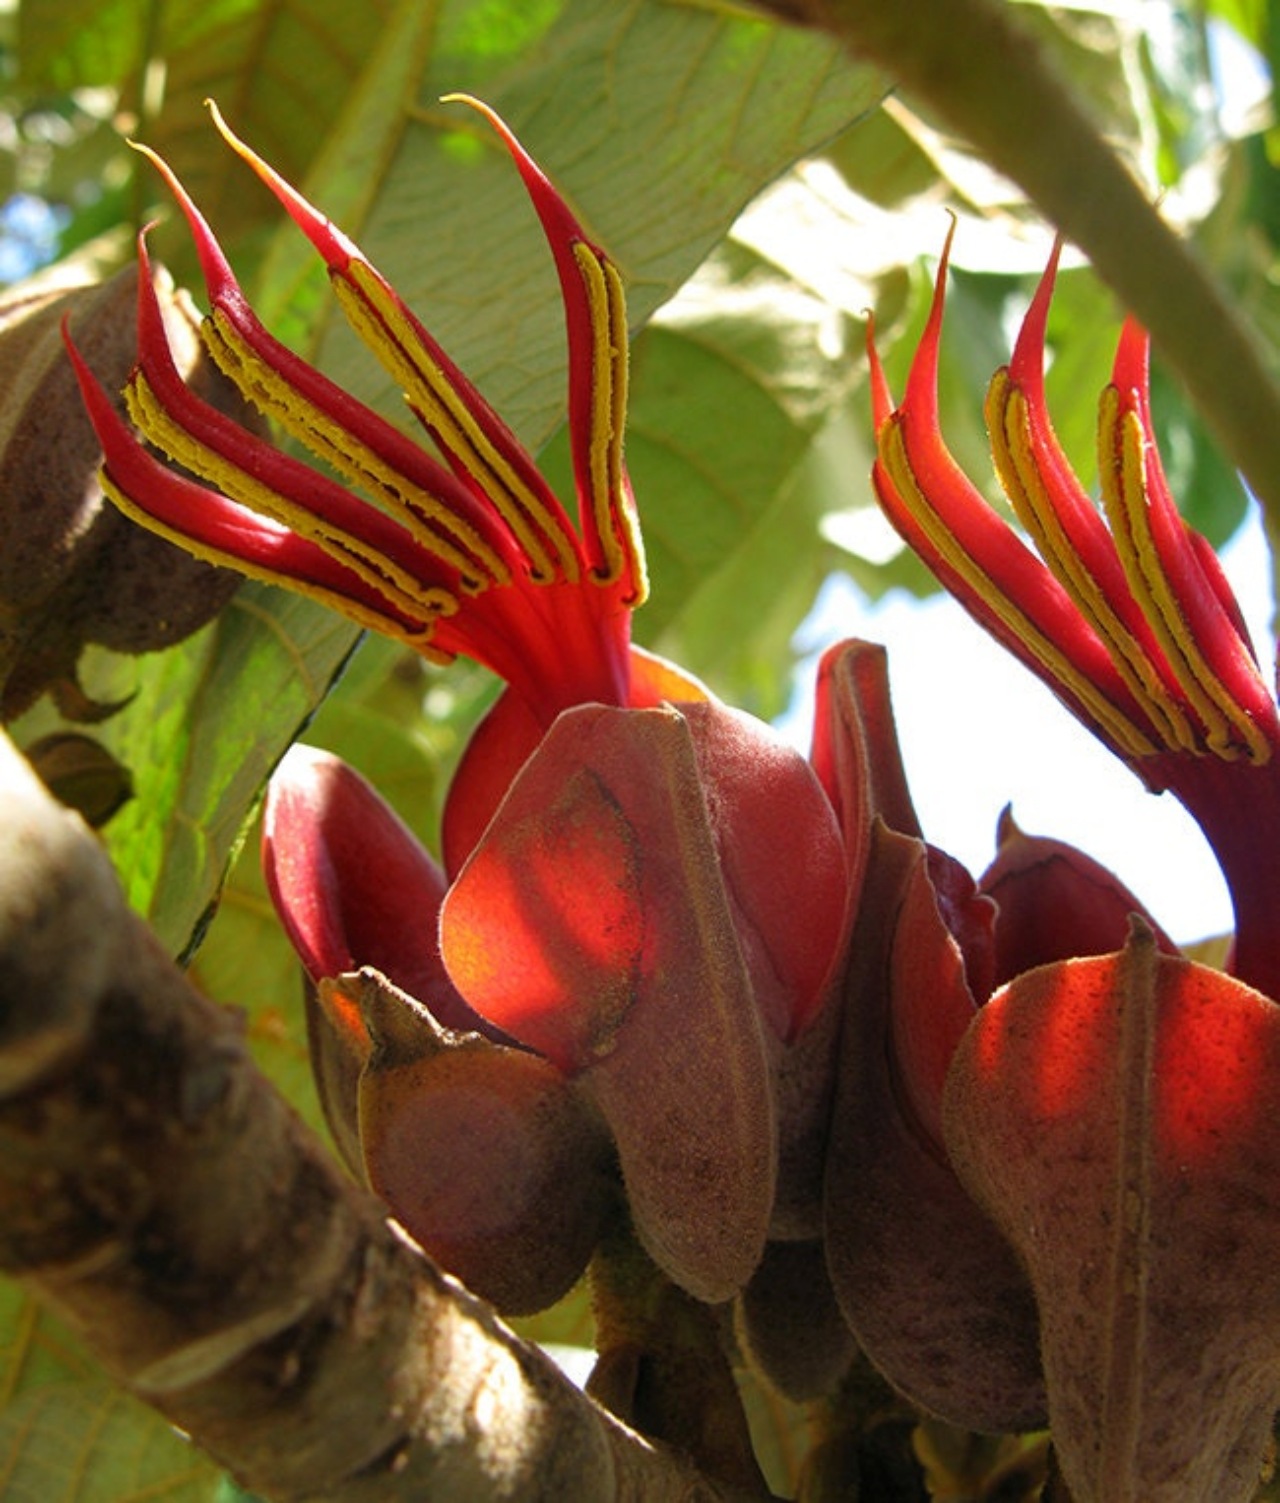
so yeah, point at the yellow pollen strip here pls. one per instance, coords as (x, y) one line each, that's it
(388, 578)
(1229, 731)
(382, 325)
(1009, 427)
(1124, 734)
(354, 610)
(615, 525)
(427, 519)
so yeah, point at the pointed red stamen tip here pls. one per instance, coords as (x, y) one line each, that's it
(557, 218)
(338, 251)
(922, 379)
(1130, 374)
(496, 121)
(1026, 366)
(155, 356)
(882, 403)
(214, 266)
(101, 413)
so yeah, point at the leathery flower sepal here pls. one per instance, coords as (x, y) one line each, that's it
(1115, 1116)
(620, 915)
(1123, 611)
(497, 1164)
(494, 1161)
(930, 1289)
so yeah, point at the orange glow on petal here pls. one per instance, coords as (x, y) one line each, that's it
(1186, 1045)
(1216, 1054)
(1050, 1026)
(542, 931)
(932, 1005)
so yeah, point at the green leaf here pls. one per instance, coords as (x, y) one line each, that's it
(282, 71)
(207, 723)
(247, 961)
(68, 1434)
(69, 44)
(657, 160)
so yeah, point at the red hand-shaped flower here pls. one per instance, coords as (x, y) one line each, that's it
(644, 887)
(1125, 613)
(1112, 1113)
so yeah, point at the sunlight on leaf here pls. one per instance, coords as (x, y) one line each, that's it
(70, 1435)
(207, 724)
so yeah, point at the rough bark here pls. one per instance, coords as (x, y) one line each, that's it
(159, 1194)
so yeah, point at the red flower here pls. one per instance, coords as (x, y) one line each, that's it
(1124, 613)
(642, 889)
(1108, 1112)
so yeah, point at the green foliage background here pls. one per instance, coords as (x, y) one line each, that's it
(748, 440)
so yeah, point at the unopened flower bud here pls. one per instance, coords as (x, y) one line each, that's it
(82, 774)
(485, 1154)
(789, 1322)
(1054, 902)
(73, 570)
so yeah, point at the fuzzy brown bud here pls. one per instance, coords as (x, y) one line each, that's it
(74, 570)
(788, 1320)
(485, 1154)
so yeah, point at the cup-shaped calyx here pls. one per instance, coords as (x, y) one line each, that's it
(1053, 902)
(495, 1162)
(1116, 1117)
(655, 908)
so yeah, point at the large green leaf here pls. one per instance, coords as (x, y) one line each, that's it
(69, 1435)
(282, 70)
(280, 66)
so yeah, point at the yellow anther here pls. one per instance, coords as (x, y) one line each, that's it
(426, 518)
(421, 602)
(1128, 737)
(363, 615)
(615, 523)
(1009, 426)
(1228, 730)
(383, 326)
